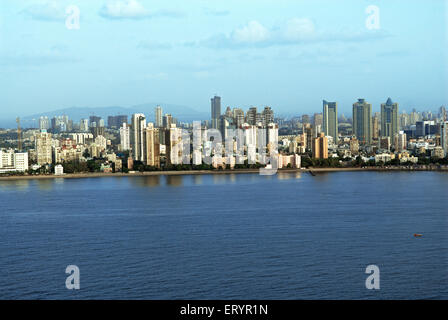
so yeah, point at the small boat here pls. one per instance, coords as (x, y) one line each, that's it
(418, 235)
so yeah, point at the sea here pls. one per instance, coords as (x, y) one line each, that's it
(227, 236)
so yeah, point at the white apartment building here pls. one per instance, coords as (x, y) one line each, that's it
(43, 146)
(13, 162)
(125, 141)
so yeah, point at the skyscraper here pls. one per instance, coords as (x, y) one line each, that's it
(152, 146)
(159, 117)
(43, 146)
(138, 137)
(251, 116)
(238, 117)
(44, 123)
(375, 126)
(167, 121)
(400, 141)
(84, 125)
(330, 120)
(94, 119)
(268, 116)
(444, 136)
(173, 143)
(389, 119)
(318, 120)
(125, 137)
(215, 111)
(362, 121)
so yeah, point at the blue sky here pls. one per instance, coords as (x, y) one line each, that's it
(288, 54)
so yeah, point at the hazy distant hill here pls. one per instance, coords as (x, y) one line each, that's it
(182, 113)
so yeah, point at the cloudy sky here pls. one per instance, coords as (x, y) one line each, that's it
(289, 54)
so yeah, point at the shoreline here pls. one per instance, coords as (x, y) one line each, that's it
(214, 172)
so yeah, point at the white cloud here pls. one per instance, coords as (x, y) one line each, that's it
(48, 11)
(122, 9)
(133, 9)
(297, 29)
(293, 32)
(251, 33)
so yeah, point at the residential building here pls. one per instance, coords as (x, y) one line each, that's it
(320, 147)
(152, 146)
(138, 137)
(389, 119)
(330, 120)
(43, 147)
(362, 121)
(125, 138)
(159, 117)
(215, 111)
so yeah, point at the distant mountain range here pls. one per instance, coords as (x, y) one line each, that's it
(182, 113)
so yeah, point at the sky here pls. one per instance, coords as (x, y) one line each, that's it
(287, 54)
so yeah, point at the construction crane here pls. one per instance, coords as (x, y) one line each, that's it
(19, 134)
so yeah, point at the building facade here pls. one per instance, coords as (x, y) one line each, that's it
(138, 137)
(389, 119)
(215, 111)
(330, 120)
(362, 121)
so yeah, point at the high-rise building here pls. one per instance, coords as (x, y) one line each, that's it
(125, 137)
(308, 134)
(354, 146)
(376, 126)
(167, 121)
(116, 121)
(305, 119)
(59, 123)
(268, 115)
(159, 117)
(424, 128)
(330, 120)
(238, 117)
(43, 146)
(173, 143)
(318, 120)
(362, 121)
(228, 113)
(152, 146)
(251, 116)
(400, 141)
(44, 123)
(94, 119)
(215, 111)
(272, 137)
(389, 119)
(223, 126)
(84, 125)
(403, 120)
(442, 114)
(138, 137)
(320, 147)
(444, 136)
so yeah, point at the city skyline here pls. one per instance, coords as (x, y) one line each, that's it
(280, 52)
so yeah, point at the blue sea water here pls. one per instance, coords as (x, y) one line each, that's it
(239, 236)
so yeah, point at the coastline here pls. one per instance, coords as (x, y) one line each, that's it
(214, 172)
